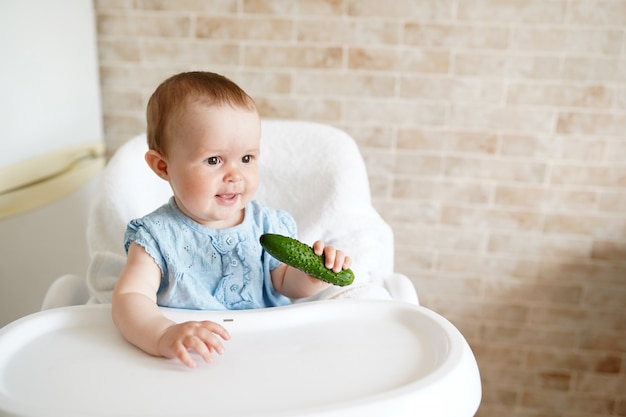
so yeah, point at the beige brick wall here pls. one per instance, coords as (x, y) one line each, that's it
(494, 132)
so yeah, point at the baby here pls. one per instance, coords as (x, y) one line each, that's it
(201, 250)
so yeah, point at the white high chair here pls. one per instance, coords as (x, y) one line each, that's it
(366, 350)
(313, 171)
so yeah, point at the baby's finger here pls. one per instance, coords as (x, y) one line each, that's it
(211, 337)
(201, 348)
(337, 259)
(216, 328)
(182, 355)
(341, 261)
(318, 247)
(211, 340)
(330, 254)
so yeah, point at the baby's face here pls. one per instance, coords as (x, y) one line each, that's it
(212, 163)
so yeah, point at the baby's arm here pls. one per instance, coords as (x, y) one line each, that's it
(293, 283)
(138, 318)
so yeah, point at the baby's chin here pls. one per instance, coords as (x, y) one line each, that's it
(221, 220)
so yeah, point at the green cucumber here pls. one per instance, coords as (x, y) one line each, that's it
(301, 256)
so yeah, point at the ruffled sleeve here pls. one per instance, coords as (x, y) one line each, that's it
(138, 231)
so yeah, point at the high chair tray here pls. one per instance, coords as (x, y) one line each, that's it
(326, 358)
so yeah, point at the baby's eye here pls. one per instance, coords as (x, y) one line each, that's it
(247, 159)
(213, 160)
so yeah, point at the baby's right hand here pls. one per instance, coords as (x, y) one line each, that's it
(199, 336)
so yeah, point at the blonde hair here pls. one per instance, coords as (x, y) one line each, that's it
(173, 95)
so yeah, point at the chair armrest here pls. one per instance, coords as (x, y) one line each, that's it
(401, 288)
(67, 290)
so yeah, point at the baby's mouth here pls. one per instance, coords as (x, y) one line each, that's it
(227, 197)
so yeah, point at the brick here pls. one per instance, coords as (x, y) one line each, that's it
(593, 69)
(480, 143)
(119, 51)
(292, 56)
(257, 82)
(487, 64)
(607, 297)
(527, 11)
(210, 6)
(524, 336)
(126, 122)
(326, 111)
(575, 360)
(599, 12)
(427, 87)
(586, 404)
(591, 123)
(415, 260)
(603, 339)
(115, 4)
(502, 312)
(282, 7)
(522, 291)
(189, 52)
(583, 271)
(507, 356)
(573, 40)
(338, 84)
(379, 163)
(611, 384)
(616, 150)
(487, 266)
(467, 217)
(506, 397)
(448, 191)
(530, 145)
(426, 9)
(456, 36)
(145, 25)
(495, 169)
(596, 226)
(577, 317)
(537, 246)
(406, 113)
(371, 136)
(339, 31)
(520, 120)
(425, 237)
(123, 101)
(583, 150)
(608, 250)
(229, 28)
(450, 286)
(596, 175)
(394, 59)
(521, 196)
(545, 198)
(596, 96)
(612, 201)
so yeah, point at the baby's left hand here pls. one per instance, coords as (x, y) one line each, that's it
(335, 259)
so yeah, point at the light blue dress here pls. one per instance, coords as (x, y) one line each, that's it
(212, 269)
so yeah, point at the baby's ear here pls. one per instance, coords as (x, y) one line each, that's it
(157, 163)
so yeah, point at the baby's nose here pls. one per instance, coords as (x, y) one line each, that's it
(234, 175)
